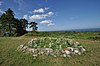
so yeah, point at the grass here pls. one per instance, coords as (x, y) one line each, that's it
(10, 57)
(75, 35)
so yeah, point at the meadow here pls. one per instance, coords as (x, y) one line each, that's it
(90, 40)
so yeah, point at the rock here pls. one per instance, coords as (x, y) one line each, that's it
(20, 47)
(67, 52)
(41, 51)
(82, 49)
(35, 55)
(31, 50)
(64, 55)
(24, 48)
(76, 51)
(76, 44)
(70, 48)
(48, 51)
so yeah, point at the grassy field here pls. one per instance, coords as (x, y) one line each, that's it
(10, 57)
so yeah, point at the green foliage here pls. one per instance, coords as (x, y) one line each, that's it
(33, 26)
(7, 19)
(11, 26)
(97, 37)
(53, 43)
(21, 26)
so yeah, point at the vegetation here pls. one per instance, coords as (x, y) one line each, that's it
(10, 57)
(71, 35)
(11, 26)
(33, 26)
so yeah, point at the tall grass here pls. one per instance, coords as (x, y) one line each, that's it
(10, 57)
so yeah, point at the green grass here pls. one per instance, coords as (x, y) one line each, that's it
(75, 35)
(10, 57)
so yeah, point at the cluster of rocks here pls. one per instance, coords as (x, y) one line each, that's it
(36, 50)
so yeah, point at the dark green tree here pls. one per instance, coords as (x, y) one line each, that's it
(24, 23)
(7, 20)
(9, 25)
(33, 26)
(21, 26)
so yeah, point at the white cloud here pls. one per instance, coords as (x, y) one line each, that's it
(50, 13)
(0, 3)
(1, 11)
(41, 16)
(46, 21)
(51, 24)
(25, 17)
(41, 10)
(46, 8)
(36, 17)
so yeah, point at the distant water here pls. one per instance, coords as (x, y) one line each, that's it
(88, 29)
(77, 30)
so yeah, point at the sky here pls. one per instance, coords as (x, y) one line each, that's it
(52, 15)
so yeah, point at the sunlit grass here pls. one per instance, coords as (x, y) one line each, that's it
(10, 57)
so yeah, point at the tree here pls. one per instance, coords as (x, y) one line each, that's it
(33, 26)
(9, 25)
(21, 26)
(7, 20)
(24, 23)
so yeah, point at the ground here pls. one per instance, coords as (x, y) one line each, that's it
(10, 57)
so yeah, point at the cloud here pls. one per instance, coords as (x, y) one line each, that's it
(51, 24)
(37, 17)
(41, 16)
(25, 17)
(46, 8)
(46, 21)
(1, 11)
(1, 3)
(41, 10)
(50, 13)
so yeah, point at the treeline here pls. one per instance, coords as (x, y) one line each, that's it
(11, 26)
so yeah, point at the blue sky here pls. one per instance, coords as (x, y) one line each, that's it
(56, 14)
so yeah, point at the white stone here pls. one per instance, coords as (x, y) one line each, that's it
(64, 55)
(76, 51)
(67, 52)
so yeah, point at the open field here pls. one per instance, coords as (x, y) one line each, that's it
(10, 57)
